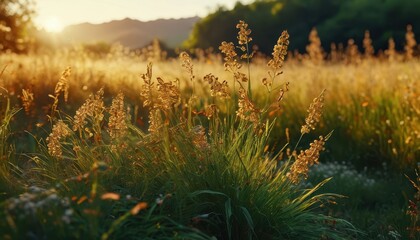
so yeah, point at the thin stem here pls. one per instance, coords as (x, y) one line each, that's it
(249, 71)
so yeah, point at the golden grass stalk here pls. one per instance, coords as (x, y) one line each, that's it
(334, 55)
(246, 108)
(60, 130)
(314, 114)
(147, 89)
(243, 34)
(186, 63)
(168, 94)
(391, 52)
(62, 86)
(211, 110)
(410, 43)
(279, 55)
(352, 52)
(27, 100)
(314, 49)
(155, 121)
(217, 88)
(231, 63)
(367, 45)
(117, 125)
(200, 138)
(93, 107)
(306, 159)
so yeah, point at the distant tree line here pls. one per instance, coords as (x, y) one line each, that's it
(335, 20)
(16, 27)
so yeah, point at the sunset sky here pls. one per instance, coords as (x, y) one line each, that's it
(53, 15)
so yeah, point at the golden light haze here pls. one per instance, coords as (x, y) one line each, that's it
(54, 15)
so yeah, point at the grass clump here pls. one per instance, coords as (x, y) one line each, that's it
(202, 170)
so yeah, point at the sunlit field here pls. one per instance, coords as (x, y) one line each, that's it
(221, 144)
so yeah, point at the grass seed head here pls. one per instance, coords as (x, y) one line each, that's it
(217, 88)
(147, 89)
(211, 110)
(60, 130)
(117, 125)
(410, 43)
(314, 49)
(63, 85)
(200, 138)
(306, 159)
(243, 34)
(155, 121)
(246, 108)
(228, 50)
(186, 63)
(279, 53)
(391, 52)
(93, 107)
(367, 45)
(314, 114)
(168, 94)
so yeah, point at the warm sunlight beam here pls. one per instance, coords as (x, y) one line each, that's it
(53, 25)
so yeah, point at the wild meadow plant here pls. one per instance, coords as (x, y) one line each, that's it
(197, 173)
(413, 208)
(8, 169)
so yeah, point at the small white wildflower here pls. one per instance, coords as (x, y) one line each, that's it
(66, 219)
(69, 212)
(30, 207)
(52, 197)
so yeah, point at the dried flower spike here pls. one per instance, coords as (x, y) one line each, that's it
(200, 138)
(314, 49)
(61, 86)
(391, 52)
(168, 94)
(247, 109)
(314, 114)
(187, 64)
(279, 54)
(217, 88)
(155, 121)
(59, 131)
(367, 45)
(243, 34)
(410, 43)
(147, 89)
(93, 107)
(231, 64)
(305, 160)
(117, 125)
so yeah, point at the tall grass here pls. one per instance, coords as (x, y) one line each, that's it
(215, 148)
(201, 170)
(8, 162)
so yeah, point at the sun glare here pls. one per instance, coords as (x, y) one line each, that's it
(53, 25)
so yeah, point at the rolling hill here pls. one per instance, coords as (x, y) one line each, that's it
(130, 32)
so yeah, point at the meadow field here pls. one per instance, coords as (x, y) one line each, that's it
(221, 144)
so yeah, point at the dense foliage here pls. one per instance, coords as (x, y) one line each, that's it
(15, 24)
(336, 21)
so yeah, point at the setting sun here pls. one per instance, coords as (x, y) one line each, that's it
(53, 24)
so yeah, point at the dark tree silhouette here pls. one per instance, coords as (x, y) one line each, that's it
(16, 28)
(335, 20)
